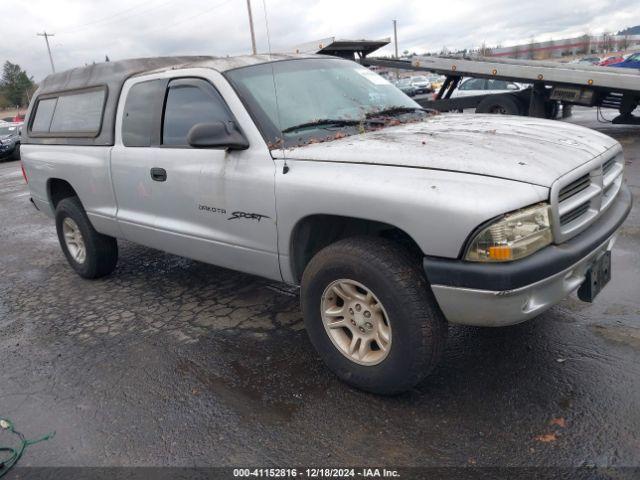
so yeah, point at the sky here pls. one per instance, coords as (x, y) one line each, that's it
(87, 30)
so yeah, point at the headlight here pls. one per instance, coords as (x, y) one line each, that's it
(515, 235)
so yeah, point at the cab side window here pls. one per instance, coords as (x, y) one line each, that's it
(189, 102)
(139, 124)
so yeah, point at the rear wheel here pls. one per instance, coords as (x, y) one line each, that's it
(371, 315)
(90, 254)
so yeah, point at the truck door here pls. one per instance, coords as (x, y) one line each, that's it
(212, 205)
(137, 134)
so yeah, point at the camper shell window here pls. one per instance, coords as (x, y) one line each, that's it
(70, 114)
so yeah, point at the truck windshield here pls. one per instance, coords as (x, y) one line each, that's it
(299, 101)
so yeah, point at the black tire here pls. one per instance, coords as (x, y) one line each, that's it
(419, 329)
(551, 109)
(503, 104)
(101, 250)
(16, 153)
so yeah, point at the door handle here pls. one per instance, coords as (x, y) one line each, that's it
(158, 174)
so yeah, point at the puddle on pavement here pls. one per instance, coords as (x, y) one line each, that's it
(566, 402)
(619, 333)
(241, 395)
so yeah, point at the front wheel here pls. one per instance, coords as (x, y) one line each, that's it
(371, 316)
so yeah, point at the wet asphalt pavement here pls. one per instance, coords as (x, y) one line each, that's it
(173, 362)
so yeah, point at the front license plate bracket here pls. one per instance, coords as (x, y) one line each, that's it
(596, 278)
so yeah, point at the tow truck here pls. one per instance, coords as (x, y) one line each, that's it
(552, 85)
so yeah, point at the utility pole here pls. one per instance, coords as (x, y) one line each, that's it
(395, 42)
(46, 39)
(395, 36)
(253, 34)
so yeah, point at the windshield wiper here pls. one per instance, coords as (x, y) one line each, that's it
(324, 122)
(395, 110)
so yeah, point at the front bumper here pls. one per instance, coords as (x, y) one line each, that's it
(500, 294)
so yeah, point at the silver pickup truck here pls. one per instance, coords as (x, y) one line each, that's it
(317, 172)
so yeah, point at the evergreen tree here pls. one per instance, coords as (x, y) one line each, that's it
(15, 84)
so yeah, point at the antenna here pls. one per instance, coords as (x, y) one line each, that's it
(266, 22)
(285, 167)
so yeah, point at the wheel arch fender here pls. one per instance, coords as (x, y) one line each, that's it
(313, 232)
(58, 189)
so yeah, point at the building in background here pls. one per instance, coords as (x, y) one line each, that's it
(569, 47)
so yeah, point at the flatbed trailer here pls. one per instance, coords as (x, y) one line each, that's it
(552, 84)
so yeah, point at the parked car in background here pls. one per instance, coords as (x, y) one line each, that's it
(17, 118)
(421, 84)
(591, 60)
(482, 86)
(632, 61)
(10, 141)
(436, 82)
(611, 60)
(405, 85)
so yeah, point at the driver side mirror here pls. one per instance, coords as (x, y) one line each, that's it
(218, 134)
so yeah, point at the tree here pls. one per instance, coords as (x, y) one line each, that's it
(607, 42)
(484, 50)
(624, 43)
(585, 47)
(15, 85)
(4, 103)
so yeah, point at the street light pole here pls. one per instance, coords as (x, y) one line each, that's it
(46, 39)
(253, 34)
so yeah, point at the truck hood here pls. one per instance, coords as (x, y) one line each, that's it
(523, 149)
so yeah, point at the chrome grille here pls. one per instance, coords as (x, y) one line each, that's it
(608, 165)
(580, 197)
(573, 214)
(575, 187)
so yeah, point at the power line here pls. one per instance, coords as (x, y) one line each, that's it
(46, 39)
(155, 27)
(116, 16)
(185, 19)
